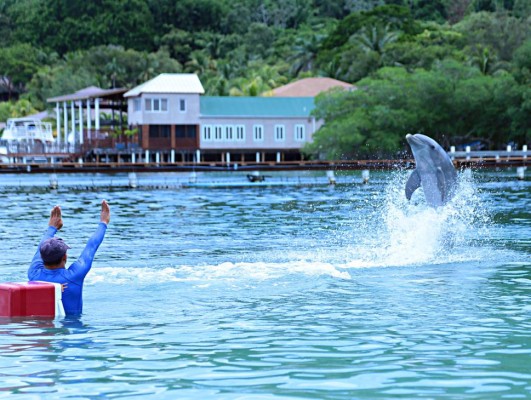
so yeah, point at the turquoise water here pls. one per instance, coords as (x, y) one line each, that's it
(320, 292)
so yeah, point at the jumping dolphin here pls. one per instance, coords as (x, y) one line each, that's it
(434, 171)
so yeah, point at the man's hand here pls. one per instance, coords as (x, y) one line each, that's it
(105, 212)
(56, 219)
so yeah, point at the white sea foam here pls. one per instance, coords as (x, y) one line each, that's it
(227, 271)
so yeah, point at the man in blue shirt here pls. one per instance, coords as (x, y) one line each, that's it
(49, 262)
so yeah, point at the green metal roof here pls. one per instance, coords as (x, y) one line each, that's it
(256, 106)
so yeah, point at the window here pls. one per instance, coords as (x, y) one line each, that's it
(156, 105)
(299, 133)
(159, 131)
(185, 131)
(258, 133)
(137, 105)
(280, 133)
(218, 132)
(229, 133)
(240, 133)
(182, 105)
(207, 133)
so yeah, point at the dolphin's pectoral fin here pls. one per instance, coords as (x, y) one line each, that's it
(413, 183)
(441, 184)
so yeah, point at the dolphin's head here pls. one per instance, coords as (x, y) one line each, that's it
(426, 150)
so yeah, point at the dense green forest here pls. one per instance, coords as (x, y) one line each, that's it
(457, 70)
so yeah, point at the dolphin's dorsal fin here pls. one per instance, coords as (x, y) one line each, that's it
(413, 183)
(441, 184)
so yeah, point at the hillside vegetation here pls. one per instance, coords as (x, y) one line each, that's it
(457, 70)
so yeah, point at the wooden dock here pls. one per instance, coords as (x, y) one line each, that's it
(337, 165)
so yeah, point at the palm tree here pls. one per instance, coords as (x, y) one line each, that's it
(487, 61)
(149, 68)
(253, 87)
(304, 53)
(374, 37)
(114, 69)
(200, 63)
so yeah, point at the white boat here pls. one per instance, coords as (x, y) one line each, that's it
(27, 129)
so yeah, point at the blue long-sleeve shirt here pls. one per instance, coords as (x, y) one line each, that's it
(74, 275)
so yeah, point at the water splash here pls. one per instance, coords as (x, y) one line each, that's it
(413, 233)
(387, 231)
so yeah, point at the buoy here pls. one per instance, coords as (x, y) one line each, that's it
(54, 183)
(193, 177)
(31, 299)
(365, 176)
(133, 181)
(520, 173)
(255, 177)
(331, 177)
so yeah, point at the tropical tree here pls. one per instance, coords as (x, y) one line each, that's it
(20, 108)
(304, 53)
(200, 63)
(522, 63)
(500, 32)
(487, 61)
(374, 38)
(453, 103)
(18, 63)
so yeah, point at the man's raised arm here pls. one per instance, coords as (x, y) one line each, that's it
(54, 224)
(83, 264)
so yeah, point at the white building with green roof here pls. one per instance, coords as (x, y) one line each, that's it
(175, 118)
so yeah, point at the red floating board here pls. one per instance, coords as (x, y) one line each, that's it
(27, 299)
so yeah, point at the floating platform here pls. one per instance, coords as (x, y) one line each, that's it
(244, 184)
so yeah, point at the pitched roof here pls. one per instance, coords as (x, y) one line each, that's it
(169, 83)
(212, 106)
(309, 87)
(89, 92)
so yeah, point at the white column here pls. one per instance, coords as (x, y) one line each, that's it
(133, 157)
(278, 156)
(146, 157)
(73, 121)
(157, 157)
(172, 156)
(228, 157)
(58, 122)
(65, 116)
(80, 122)
(97, 114)
(198, 156)
(89, 117)
(257, 156)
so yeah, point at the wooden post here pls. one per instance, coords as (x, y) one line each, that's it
(172, 137)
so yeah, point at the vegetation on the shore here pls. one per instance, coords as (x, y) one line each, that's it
(457, 70)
